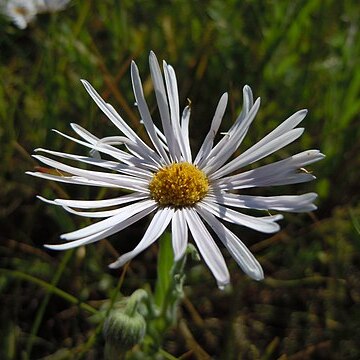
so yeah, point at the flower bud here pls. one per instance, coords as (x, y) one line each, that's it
(125, 326)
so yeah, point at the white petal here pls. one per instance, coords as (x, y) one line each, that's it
(72, 180)
(232, 142)
(85, 134)
(104, 233)
(89, 214)
(172, 90)
(282, 179)
(278, 173)
(92, 139)
(173, 96)
(162, 137)
(138, 149)
(93, 214)
(157, 226)
(185, 119)
(126, 212)
(287, 125)
(110, 165)
(145, 113)
(126, 182)
(252, 155)
(283, 128)
(240, 127)
(290, 203)
(96, 204)
(215, 124)
(141, 145)
(20, 12)
(207, 247)
(235, 246)
(110, 112)
(43, 6)
(294, 178)
(163, 106)
(179, 233)
(102, 148)
(264, 224)
(248, 101)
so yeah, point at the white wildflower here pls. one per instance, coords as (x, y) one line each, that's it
(191, 194)
(22, 12)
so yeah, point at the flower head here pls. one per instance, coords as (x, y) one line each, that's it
(191, 194)
(22, 12)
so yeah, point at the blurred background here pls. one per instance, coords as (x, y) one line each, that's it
(294, 54)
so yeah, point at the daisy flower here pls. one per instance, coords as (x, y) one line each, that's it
(193, 194)
(21, 12)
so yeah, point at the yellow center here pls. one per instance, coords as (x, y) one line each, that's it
(179, 184)
(21, 10)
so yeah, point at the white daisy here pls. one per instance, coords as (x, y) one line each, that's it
(21, 12)
(190, 193)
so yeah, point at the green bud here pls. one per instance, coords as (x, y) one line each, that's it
(125, 326)
(193, 252)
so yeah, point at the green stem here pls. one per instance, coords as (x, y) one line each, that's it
(40, 313)
(92, 338)
(134, 300)
(166, 355)
(50, 288)
(168, 292)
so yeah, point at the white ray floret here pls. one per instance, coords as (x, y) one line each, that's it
(162, 179)
(179, 232)
(156, 228)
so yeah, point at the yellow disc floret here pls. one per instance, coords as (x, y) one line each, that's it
(179, 184)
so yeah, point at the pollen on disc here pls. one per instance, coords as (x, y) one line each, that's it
(179, 184)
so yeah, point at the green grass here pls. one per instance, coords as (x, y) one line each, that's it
(294, 54)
